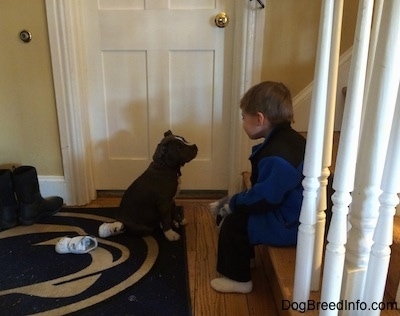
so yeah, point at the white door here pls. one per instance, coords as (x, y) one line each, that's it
(155, 65)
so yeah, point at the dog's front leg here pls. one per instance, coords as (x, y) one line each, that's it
(169, 233)
(178, 218)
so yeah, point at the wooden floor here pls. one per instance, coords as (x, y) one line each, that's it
(201, 242)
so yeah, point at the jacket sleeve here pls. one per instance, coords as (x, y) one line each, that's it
(276, 177)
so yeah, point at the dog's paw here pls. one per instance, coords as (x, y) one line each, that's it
(172, 235)
(183, 222)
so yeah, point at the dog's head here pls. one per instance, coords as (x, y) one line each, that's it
(174, 151)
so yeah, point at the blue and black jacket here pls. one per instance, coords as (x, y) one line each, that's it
(274, 200)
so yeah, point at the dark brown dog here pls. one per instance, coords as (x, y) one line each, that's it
(150, 199)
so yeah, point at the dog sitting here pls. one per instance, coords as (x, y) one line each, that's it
(149, 202)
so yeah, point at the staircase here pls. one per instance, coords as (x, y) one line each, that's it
(368, 164)
(279, 266)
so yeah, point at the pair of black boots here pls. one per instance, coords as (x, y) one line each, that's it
(20, 198)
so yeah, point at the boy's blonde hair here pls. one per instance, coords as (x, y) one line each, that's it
(272, 99)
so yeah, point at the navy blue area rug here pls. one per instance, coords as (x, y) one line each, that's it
(124, 275)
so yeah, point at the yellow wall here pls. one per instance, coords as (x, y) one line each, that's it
(28, 121)
(291, 36)
(28, 124)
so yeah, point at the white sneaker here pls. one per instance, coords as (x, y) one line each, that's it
(111, 229)
(76, 245)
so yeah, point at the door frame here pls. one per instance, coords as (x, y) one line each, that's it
(68, 62)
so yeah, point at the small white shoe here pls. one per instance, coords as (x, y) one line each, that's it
(76, 245)
(111, 229)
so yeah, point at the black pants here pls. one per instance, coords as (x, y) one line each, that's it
(234, 249)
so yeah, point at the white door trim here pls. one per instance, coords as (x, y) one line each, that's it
(64, 24)
(68, 62)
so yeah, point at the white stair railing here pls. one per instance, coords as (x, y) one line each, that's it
(359, 178)
(380, 104)
(343, 182)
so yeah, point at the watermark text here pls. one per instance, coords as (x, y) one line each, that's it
(342, 305)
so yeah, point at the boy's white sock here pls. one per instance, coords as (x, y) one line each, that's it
(226, 285)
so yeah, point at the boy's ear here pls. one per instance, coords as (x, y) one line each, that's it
(260, 118)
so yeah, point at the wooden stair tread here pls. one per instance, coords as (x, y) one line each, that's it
(280, 269)
(393, 278)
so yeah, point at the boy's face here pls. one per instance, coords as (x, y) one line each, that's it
(256, 125)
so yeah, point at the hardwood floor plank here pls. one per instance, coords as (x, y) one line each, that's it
(191, 232)
(207, 301)
(261, 300)
(236, 304)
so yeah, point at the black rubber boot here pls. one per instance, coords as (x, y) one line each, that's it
(32, 205)
(8, 203)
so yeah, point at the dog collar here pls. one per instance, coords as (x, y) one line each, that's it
(164, 166)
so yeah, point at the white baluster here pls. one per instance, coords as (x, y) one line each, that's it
(373, 146)
(383, 235)
(376, 22)
(328, 140)
(343, 182)
(313, 159)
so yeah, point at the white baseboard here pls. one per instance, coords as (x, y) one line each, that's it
(53, 186)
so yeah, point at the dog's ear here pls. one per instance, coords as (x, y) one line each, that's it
(160, 152)
(168, 133)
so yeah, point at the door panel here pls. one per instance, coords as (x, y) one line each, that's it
(153, 66)
(126, 113)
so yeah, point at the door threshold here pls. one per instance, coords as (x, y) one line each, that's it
(183, 194)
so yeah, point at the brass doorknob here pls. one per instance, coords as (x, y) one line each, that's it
(221, 19)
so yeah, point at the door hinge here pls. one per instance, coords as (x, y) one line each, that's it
(262, 5)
